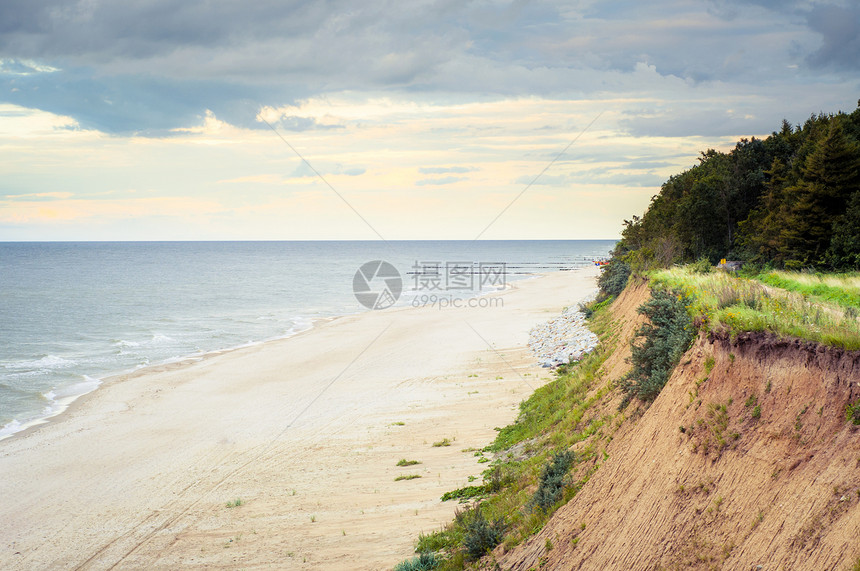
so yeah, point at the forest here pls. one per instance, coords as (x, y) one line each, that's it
(789, 201)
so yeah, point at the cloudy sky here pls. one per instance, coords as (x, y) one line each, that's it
(168, 119)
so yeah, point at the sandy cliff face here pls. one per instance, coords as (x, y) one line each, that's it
(744, 460)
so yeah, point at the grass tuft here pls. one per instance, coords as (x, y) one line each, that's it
(852, 413)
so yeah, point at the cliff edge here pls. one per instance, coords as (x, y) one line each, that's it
(744, 461)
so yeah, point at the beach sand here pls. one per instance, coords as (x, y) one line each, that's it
(306, 431)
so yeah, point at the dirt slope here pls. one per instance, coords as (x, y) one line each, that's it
(703, 479)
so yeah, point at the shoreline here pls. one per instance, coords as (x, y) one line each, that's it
(36, 422)
(305, 430)
(56, 416)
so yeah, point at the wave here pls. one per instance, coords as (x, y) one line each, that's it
(58, 399)
(47, 362)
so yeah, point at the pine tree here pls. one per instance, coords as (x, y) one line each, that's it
(829, 176)
(764, 236)
(844, 251)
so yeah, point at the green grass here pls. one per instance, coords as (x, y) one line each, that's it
(407, 477)
(725, 303)
(235, 503)
(466, 493)
(405, 462)
(840, 289)
(443, 442)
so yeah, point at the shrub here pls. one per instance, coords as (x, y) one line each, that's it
(852, 413)
(552, 480)
(702, 266)
(481, 535)
(657, 346)
(613, 278)
(425, 560)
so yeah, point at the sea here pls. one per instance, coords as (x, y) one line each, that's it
(75, 313)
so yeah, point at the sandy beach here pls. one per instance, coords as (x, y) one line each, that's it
(305, 431)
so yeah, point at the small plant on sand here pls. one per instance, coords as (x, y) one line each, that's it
(235, 503)
(443, 442)
(852, 413)
(407, 477)
(424, 561)
(405, 462)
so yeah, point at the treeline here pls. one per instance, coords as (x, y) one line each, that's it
(790, 201)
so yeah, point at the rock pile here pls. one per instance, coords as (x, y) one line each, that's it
(562, 340)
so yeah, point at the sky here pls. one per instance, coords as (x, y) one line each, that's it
(448, 119)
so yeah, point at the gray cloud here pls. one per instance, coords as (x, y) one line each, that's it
(443, 170)
(303, 170)
(439, 181)
(304, 124)
(609, 175)
(840, 31)
(151, 65)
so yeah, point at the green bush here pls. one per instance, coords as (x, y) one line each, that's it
(613, 278)
(465, 493)
(657, 346)
(552, 480)
(481, 535)
(422, 562)
(702, 266)
(852, 413)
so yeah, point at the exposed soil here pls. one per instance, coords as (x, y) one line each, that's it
(744, 461)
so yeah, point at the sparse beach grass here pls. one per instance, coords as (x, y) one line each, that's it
(405, 462)
(443, 442)
(407, 477)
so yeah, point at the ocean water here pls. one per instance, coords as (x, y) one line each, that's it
(74, 313)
